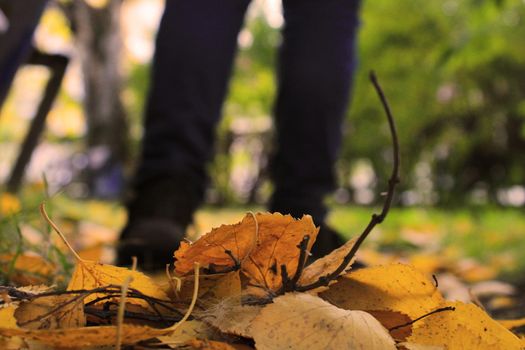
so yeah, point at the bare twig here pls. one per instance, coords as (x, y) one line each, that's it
(447, 308)
(376, 218)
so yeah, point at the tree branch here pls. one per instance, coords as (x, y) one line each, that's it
(376, 218)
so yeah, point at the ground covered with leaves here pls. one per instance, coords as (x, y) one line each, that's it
(242, 286)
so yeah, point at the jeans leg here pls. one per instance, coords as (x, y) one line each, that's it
(317, 59)
(195, 48)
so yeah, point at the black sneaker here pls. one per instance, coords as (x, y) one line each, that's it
(153, 241)
(158, 215)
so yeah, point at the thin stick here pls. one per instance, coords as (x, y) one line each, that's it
(447, 308)
(121, 309)
(57, 230)
(376, 218)
(193, 300)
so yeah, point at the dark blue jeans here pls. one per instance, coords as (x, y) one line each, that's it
(195, 48)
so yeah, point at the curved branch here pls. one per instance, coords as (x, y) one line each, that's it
(376, 218)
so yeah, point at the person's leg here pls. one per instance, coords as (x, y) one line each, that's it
(195, 48)
(317, 59)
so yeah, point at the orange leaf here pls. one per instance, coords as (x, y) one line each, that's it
(327, 264)
(279, 237)
(211, 249)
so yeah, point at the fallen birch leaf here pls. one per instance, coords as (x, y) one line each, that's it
(279, 237)
(55, 311)
(90, 275)
(412, 346)
(327, 264)
(509, 324)
(391, 319)
(395, 287)
(303, 321)
(212, 288)
(86, 336)
(7, 316)
(198, 344)
(467, 327)
(188, 331)
(29, 269)
(211, 249)
(232, 319)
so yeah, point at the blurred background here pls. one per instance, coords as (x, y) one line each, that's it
(454, 72)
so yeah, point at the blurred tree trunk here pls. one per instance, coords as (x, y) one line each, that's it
(98, 39)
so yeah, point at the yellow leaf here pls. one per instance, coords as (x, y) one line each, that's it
(393, 319)
(90, 275)
(7, 316)
(55, 311)
(327, 264)
(509, 324)
(86, 336)
(29, 269)
(188, 331)
(304, 321)
(279, 237)
(9, 204)
(395, 287)
(467, 327)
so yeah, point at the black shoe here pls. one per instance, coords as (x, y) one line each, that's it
(327, 240)
(153, 241)
(158, 215)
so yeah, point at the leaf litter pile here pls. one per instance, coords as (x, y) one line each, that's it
(251, 285)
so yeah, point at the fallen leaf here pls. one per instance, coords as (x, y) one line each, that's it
(198, 344)
(85, 336)
(9, 204)
(232, 318)
(412, 346)
(89, 275)
(211, 249)
(29, 269)
(392, 319)
(55, 311)
(7, 316)
(188, 331)
(327, 264)
(510, 324)
(395, 287)
(467, 327)
(279, 237)
(212, 288)
(303, 321)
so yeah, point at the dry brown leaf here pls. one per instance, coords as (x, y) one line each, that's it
(391, 319)
(55, 311)
(29, 269)
(232, 318)
(467, 327)
(327, 264)
(304, 321)
(85, 336)
(212, 288)
(211, 249)
(395, 287)
(188, 331)
(198, 344)
(90, 275)
(279, 237)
